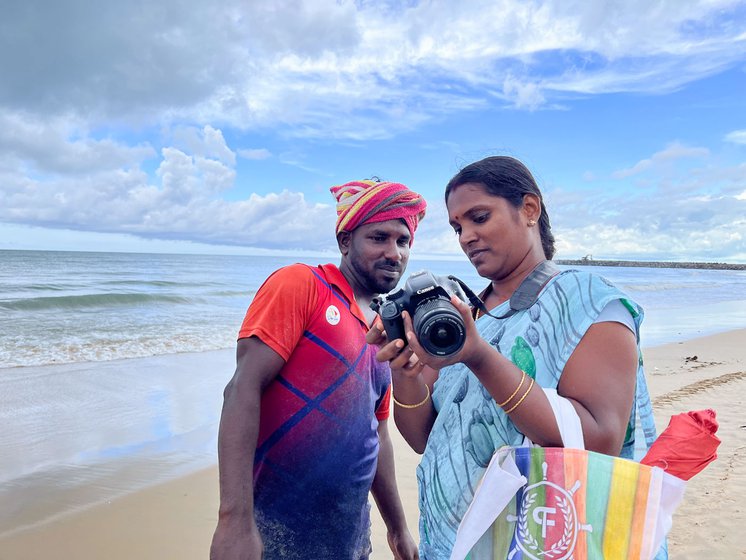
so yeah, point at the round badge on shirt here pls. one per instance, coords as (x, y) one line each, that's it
(332, 315)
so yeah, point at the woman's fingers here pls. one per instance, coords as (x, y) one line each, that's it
(414, 344)
(390, 350)
(462, 308)
(435, 362)
(400, 357)
(408, 363)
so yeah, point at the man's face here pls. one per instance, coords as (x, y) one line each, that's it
(378, 255)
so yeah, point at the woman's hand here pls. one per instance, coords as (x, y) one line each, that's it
(413, 381)
(401, 358)
(404, 361)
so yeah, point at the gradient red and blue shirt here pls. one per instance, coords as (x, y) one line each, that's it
(317, 450)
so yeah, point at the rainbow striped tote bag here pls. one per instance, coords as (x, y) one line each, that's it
(543, 503)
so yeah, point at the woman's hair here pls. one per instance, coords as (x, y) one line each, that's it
(507, 178)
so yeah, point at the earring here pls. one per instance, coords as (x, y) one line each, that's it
(531, 223)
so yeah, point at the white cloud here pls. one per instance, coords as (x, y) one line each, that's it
(255, 153)
(187, 203)
(303, 64)
(523, 95)
(207, 142)
(78, 84)
(737, 137)
(692, 213)
(610, 241)
(61, 146)
(645, 224)
(701, 220)
(673, 152)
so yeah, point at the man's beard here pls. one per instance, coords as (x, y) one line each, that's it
(375, 285)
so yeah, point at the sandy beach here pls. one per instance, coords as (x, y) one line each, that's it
(175, 519)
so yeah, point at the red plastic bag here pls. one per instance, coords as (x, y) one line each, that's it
(687, 445)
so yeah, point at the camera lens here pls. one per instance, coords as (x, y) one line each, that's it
(439, 327)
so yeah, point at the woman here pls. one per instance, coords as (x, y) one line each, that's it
(579, 335)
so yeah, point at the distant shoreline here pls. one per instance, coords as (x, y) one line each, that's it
(585, 261)
(652, 264)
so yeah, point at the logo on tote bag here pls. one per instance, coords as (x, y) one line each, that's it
(556, 520)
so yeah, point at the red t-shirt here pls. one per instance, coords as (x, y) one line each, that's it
(317, 449)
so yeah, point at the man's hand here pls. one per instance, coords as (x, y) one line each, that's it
(232, 541)
(376, 335)
(403, 546)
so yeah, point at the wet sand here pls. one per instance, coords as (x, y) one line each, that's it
(175, 519)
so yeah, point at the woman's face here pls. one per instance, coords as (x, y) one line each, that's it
(492, 232)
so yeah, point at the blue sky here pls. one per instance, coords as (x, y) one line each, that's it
(187, 126)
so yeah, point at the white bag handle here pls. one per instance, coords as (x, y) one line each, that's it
(567, 419)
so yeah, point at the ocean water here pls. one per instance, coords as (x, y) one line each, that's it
(112, 365)
(70, 307)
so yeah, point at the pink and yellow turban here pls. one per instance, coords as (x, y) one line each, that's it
(367, 202)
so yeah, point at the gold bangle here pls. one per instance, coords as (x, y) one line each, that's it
(506, 401)
(512, 408)
(419, 404)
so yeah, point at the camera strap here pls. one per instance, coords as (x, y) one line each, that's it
(523, 297)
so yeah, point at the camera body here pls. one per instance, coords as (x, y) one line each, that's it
(427, 298)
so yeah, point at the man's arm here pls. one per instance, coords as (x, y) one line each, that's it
(387, 499)
(236, 536)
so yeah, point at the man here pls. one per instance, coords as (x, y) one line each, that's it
(308, 405)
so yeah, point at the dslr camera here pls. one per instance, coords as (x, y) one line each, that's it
(427, 298)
